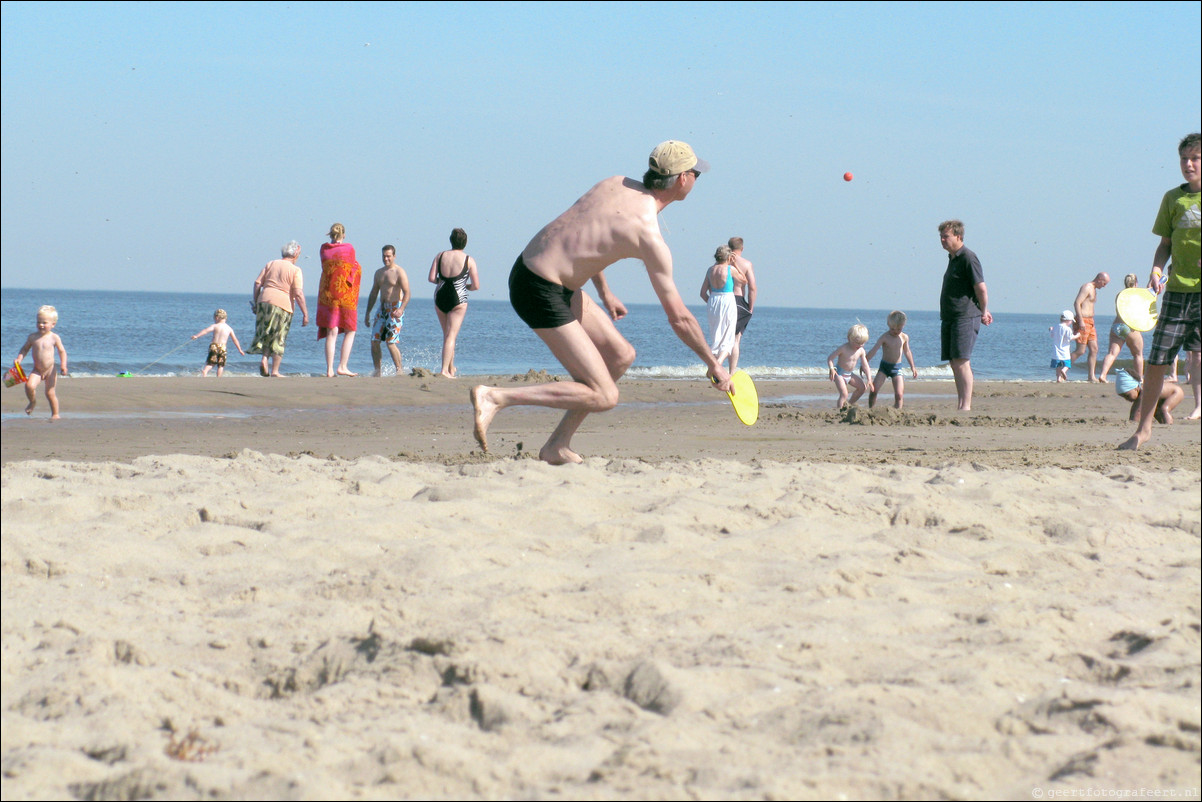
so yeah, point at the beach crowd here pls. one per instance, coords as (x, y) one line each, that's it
(617, 219)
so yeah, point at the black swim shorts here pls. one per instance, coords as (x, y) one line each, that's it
(540, 304)
(743, 314)
(957, 337)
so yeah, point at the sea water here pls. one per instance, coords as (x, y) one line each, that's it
(149, 334)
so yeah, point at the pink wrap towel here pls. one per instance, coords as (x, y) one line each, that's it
(338, 293)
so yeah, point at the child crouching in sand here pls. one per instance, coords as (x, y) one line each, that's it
(843, 363)
(1130, 388)
(893, 345)
(221, 333)
(43, 343)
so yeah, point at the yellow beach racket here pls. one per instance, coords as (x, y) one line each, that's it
(1136, 306)
(744, 397)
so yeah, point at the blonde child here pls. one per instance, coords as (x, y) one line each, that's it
(221, 333)
(893, 345)
(843, 363)
(1062, 345)
(43, 343)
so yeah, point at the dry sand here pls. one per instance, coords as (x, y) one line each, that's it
(312, 588)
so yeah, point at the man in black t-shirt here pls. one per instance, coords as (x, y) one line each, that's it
(963, 307)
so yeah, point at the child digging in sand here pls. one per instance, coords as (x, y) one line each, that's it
(43, 343)
(221, 333)
(1128, 387)
(843, 363)
(893, 345)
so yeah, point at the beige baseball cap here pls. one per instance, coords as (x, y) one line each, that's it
(674, 158)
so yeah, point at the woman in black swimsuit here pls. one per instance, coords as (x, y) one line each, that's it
(454, 274)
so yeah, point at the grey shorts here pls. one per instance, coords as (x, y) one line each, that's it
(1177, 326)
(957, 337)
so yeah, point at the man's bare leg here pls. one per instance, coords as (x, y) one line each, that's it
(395, 351)
(1193, 361)
(376, 356)
(595, 355)
(1093, 361)
(1149, 398)
(962, 373)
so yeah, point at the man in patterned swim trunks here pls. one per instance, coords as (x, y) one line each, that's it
(391, 284)
(1087, 335)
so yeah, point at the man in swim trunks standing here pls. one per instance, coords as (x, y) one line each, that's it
(392, 286)
(744, 298)
(1087, 335)
(616, 219)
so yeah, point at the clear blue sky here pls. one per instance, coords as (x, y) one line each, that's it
(177, 146)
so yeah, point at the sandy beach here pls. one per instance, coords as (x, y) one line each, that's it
(312, 589)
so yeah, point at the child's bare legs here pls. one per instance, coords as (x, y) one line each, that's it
(220, 370)
(842, 386)
(899, 390)
(204, 372)
(31, 392)
(858, 383)
(877, 384)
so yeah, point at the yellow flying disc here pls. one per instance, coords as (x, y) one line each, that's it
(1136, 306)
(744, 399)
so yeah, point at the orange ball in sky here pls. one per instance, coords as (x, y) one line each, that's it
(847, 176)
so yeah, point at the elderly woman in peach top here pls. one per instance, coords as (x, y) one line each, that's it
(338, 298)
(278, 287)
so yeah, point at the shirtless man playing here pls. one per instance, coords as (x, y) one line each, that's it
(616, 219)
(744, 297)
(391, 285)
(1087, 337)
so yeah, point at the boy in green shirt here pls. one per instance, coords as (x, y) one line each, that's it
(1179, 325)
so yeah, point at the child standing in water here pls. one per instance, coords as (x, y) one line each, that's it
(221, 333)
(893, 345)
(843, 363)
(43, 343)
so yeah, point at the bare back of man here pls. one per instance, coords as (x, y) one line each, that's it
(615, 220)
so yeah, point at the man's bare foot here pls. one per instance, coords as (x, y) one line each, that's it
(1132, 443)
(559, 456)
(483, 411)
